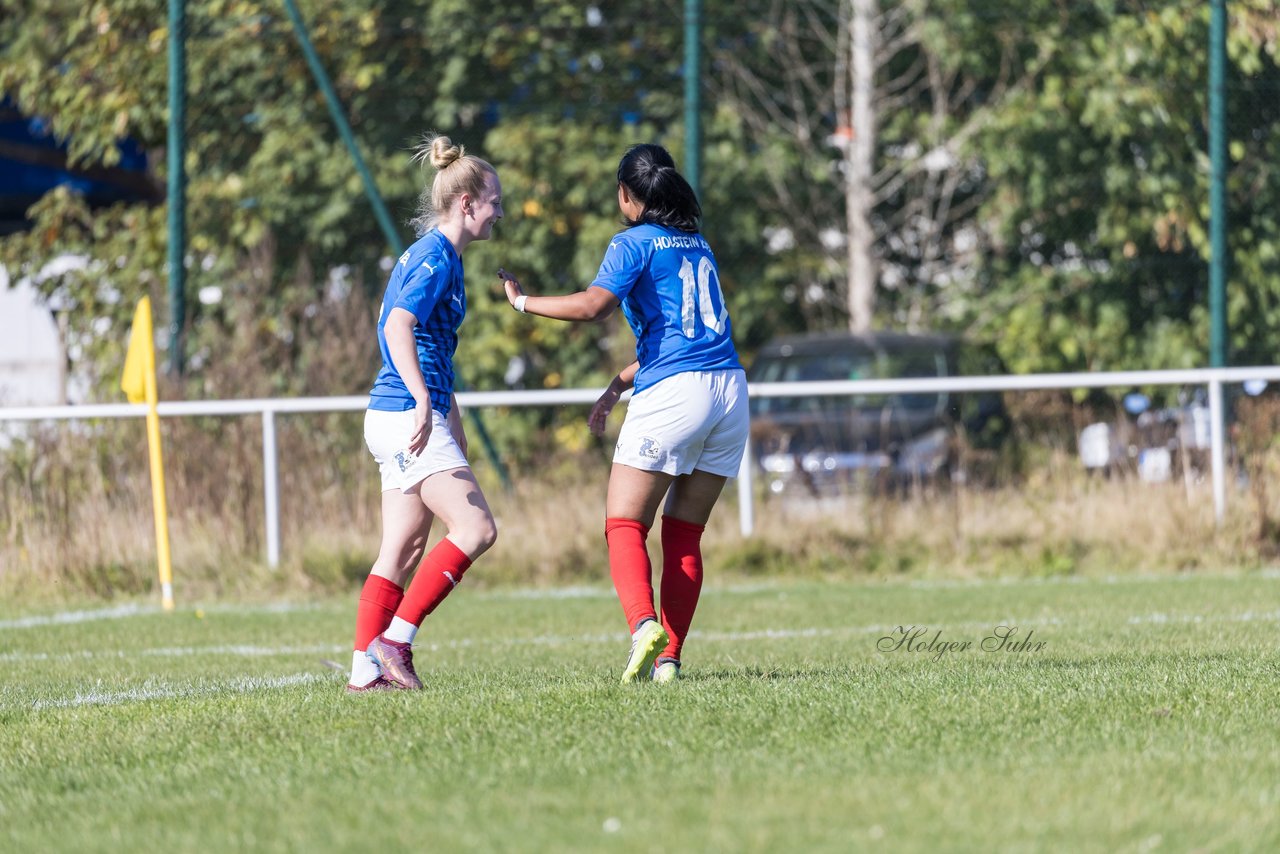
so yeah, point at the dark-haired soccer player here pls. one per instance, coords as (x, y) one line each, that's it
(687, 422)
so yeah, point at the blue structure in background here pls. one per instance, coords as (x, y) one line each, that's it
(33, 162)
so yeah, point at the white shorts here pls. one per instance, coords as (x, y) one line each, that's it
(694, 420)
(387, 435)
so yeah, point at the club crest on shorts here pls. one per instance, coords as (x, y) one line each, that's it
(403, 460)
(649, 447)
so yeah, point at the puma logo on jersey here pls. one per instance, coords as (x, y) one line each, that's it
(458, 300)
(428, 266)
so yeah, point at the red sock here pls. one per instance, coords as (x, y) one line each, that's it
(439, 572)
(681, 579)
(378, 602)
(629, 566)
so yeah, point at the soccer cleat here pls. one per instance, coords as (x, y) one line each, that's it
(396, 662)
(378, 684)
(666, 671)
(646, 643)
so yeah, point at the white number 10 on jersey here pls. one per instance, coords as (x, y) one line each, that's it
(705, 284)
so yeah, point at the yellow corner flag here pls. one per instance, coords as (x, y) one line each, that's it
(139, 385)
(140, 360)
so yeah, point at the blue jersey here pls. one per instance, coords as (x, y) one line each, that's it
(427, 283)
(667, 282)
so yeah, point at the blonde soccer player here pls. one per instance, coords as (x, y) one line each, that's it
(687, 422)
(412, 426)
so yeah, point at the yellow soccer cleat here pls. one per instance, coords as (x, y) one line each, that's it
(646, 643)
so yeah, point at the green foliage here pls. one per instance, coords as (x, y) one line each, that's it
(1070, 229)
(1099, 210)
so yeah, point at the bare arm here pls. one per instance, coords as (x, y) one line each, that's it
(626, 377)
(600, 412)
(592, 304)
(403, 348)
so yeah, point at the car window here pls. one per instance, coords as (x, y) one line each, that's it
(913, 364)
(806, 367)
(892, 361)
(810, 367)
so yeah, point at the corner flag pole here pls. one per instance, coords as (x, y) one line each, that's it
(139, 386)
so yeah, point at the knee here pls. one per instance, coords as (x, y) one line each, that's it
(488, 533)
(479, 536)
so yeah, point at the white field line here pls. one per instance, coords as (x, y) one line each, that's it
(583, 592)
(436, 646)
(253, 651)
(136, 610)
(243, 650)
(783, 583)
(1245, 617)
(1267, 574)
(70, 617)
(422, 645)
(251, 684)
(244, 685)
(121, 612)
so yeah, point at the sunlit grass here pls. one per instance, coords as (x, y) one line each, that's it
(1146, 720)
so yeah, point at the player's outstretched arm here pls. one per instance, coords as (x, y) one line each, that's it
(591, 304)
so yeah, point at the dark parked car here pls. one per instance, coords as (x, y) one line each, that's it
(824, 444)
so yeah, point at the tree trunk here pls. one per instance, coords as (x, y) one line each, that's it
(859, 161)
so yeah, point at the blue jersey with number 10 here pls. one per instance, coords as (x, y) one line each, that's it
(667, 282)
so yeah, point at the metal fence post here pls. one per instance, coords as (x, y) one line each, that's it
(1217, 450)
(746, 494)
(271, 486)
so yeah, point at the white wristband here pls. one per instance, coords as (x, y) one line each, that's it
(519, 303)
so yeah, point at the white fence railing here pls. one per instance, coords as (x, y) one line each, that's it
(1213, 378)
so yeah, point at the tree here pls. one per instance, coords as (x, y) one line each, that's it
(272, 195)
(281, 240)
(1036, 172)
(1099, 220)
(880, 106)
(275, 206)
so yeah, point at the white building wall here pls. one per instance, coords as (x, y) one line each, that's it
(31, 362)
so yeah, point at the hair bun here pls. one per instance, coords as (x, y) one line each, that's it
(438, 150)
(444, 153)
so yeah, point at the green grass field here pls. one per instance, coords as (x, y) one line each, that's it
(1147, 720)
